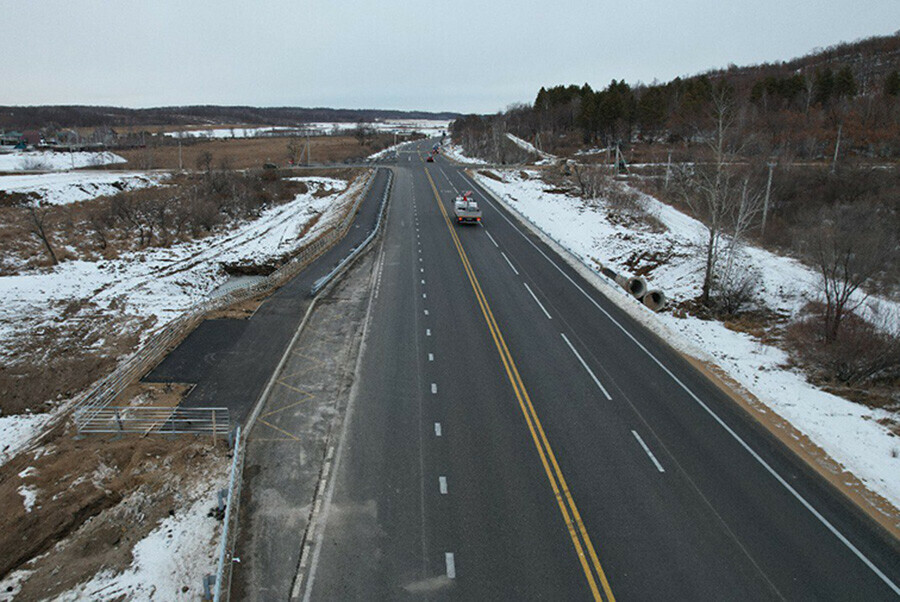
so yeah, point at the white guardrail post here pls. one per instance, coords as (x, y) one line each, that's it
(223, 544)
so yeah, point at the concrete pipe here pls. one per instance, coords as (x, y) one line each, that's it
(655, 300)
(637, 286)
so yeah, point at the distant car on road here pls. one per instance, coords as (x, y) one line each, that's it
(430, 158)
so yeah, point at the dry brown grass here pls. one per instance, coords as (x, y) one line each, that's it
(245, 153)
(96, 498)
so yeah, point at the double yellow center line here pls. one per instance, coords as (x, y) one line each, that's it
(590, 564)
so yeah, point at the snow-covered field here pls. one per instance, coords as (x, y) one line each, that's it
(399, 126)
(847, 431)
(62, 188)
(160, 282)
(53, 161)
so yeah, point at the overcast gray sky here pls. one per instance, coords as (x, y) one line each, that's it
(464, 55)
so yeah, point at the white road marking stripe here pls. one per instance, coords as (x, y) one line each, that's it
(422, 270)
(424, 296)
(812, 510)
(430, 357)
(451, 565)
(649, 453)
(434, 388)
(492, 239)
(442, 483)
(437, 429)
(426, 312)
(423, 282)
(510, 263)
(536, 300)
(427, 332)
(583, 363)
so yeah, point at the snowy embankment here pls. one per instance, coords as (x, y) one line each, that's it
(527, 146)
(71, 187)
(160, 283)
(847, 431)
(55, 161)
(169, 563)
(455, 152)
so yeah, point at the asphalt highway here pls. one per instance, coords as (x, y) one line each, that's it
(514, 435)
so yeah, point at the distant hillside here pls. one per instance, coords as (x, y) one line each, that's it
(792, 109)
(21, 118)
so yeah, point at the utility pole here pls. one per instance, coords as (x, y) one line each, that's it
(180, 162)
(762, 231)
(837, 145)
(669, 171)
(307, 149)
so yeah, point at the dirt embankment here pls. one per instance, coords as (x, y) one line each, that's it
(91, 501)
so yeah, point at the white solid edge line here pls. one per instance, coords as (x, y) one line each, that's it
(492, 239)
(584, 364)
(451, 565)
(649, 453)
(536, 300)
(834, 531)
(442, 485)
(510, 263)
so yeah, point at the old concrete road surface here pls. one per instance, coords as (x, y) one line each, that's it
(511, 435)
(230, 361)
(292, 440)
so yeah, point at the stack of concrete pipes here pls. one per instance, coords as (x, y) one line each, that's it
(637, 287)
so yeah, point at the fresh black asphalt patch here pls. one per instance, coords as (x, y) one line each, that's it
(230, 361)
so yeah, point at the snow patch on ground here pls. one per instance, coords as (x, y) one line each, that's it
(55, 161)
(525, 145)
(174, 556)
(455, 153)
(847, 431)
(160, 282)
(17, 431)
(29, 496)
(62, 188)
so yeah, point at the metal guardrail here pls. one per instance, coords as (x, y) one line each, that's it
(148, 420)
(321, 282)
(234, 485)
(221, 582)
(107, 389)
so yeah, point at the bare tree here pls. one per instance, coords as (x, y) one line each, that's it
(294, 150)
(718, 197)
(204, 163)
(848, 250)
(39, 222)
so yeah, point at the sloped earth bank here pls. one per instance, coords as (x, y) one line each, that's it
(77, 515)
